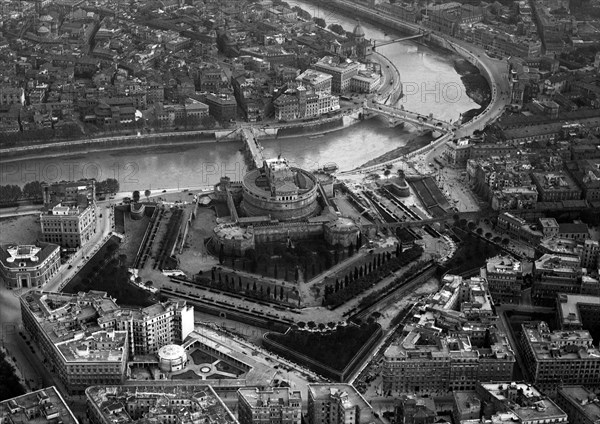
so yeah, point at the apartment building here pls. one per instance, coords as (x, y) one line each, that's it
(581, 404)
(451, 344)
(87, 338)
(341, 71)
(70, 216)
(273, 405)
(23, 266)
(338, 404)
(44, 405)
(180, 403)
(553, 358)
(522, 400)
(555, 186)
(504, 276)
(578, 311)
(555, 274)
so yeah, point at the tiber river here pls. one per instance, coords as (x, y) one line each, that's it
(436, 86)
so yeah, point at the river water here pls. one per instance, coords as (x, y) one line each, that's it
(431, 85)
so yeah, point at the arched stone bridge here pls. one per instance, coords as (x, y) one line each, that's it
(471, 215)
(396, 116)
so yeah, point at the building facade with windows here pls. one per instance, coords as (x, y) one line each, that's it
(338, 404)
(580, 403)
(23, 266)
(44, 405)
(553, 358)
(451, 344)
(87, 338)
(273, 405)
(505, 278)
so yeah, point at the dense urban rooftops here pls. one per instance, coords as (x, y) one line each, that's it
(42, 406)
(184, 403)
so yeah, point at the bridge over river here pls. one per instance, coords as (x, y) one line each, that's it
(397, 116)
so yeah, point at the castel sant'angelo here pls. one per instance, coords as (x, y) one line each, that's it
(279, 202)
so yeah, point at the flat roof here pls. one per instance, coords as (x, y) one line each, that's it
(181, 401)
(273, 395)
(568, 307)
(585, 400)
(48, 402)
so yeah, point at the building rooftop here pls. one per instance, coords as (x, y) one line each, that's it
(331, 63)
(443, 325)
(548, 222)
(503, 265)
(74, 322)
(587, 402)
(554, 181)
(573, 228)
(39, 407)
(524, 400)
(561, 246)
(551, 345)
(310, 76)
(568, 308)
(558, 263)
(184, 403)
(349, 397)
(276, 395)
(19, 256)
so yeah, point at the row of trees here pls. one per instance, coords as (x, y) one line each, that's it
(227, 282)
(10, 194)
(9, 382)
(368, 274)
(109, 185)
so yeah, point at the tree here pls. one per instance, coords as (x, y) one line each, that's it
(479, 231)
(337, 28)
(10, 193)
(111, 185)
(136, 196)
(387, 173)
(311, 324)
(32, 190)
(208, 122)
(320, 22)
(488, 235)
(505, 241)
(147, 193)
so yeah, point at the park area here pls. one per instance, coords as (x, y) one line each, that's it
(107, 271)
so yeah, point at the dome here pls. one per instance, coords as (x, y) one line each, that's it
(171, 358)
(358, 30)
(171, 351)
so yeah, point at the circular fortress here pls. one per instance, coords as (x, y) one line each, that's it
(282, 192)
